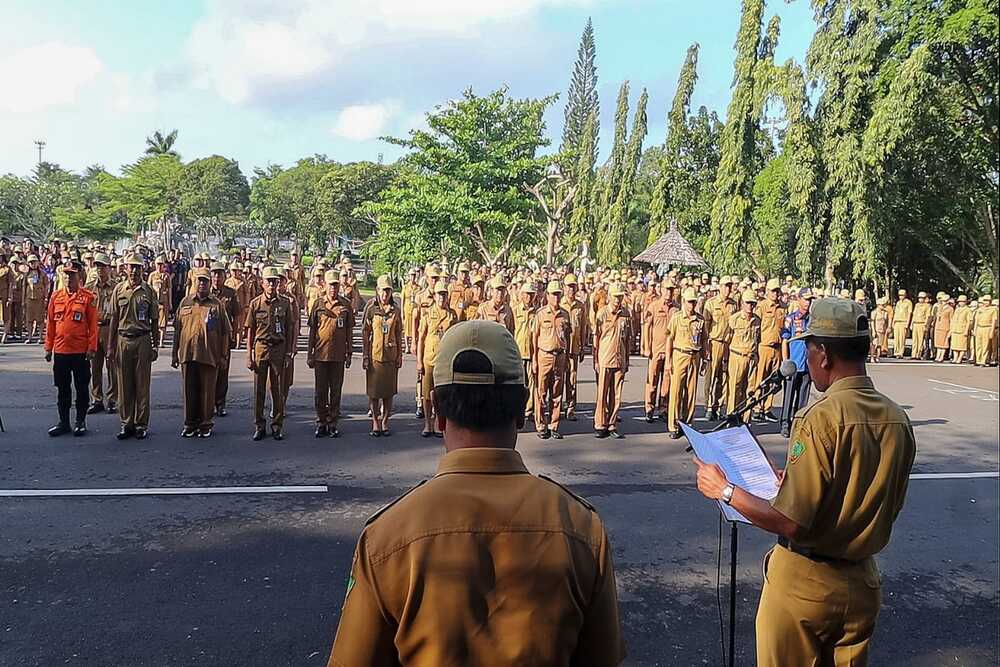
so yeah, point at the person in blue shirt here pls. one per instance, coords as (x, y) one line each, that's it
(796, 387)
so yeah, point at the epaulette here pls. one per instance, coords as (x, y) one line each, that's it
(382, 509)
(578, 498)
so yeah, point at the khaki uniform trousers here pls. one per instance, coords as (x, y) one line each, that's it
(657, 385)
(739, 379)
(34, 316)
(3, 312)
(899, 339)
(529, 410)
(222, 380)
(271, 373)
(549, 383)
(15, 319)
(816, 613)
(883, 341)
(288, 377)
(164, 316)
(570, 382)
(609, 397)
(103, 358)
(768, 360)
(198, 394)
(134, 361)
(919, 341)
(683, 388)
(983, 340)
(716, 374)
(329, 385)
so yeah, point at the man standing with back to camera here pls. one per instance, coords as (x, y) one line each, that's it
(843, 487)
(485, 564)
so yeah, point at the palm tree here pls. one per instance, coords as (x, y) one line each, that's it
(160, 144)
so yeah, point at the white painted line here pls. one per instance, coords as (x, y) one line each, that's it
(955, 475)
(988, 395)
(962, 386)
(160, 491)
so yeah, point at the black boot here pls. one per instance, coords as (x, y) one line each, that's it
(80, 428)
(59, 429)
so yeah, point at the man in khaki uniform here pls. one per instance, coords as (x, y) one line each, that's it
(497, 309)
(961, 329)
(6, 283)
(230, 303)
(921, 317)
(135, 338)
(297, 302)
(425, 299)
(103, 287)
(14, 310)
(533, 581)
(844, 484)
(612, 346)
(524, 324)
(687, 352)
(438, 319)
(270, 323)
(656, 321)
(409, 298)
(460, 291)
(579, 333)
(743, 345)
(982, 328)
(244, 294)
(772, 319)
(36, 298)
(202, 336)
(902, 316)
(331, 336)
(162, 283)
(717, 312)
(550, 340)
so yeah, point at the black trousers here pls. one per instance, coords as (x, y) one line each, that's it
(71, 371)
(796, 396)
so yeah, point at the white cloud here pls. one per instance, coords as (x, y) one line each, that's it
(361, 122)
(45, 76)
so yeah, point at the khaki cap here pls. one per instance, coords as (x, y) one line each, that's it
(134, 260)
(34, 258)
(201, 273)
(749, 296)
(101, 258)
(477, 279)
(528, 288)
(806, 293)
(859, 294)
(270, 273)
(617, 290)
(161, 259)
(962, 298)
(668, 283)
(726, 280)
(570, 279)
(845, 294)
(882, 301)
(218, 266)
(836, 318)
(432, 272)
(463, 266)
(554, 287)
(331, 277)
(901, 292)
(986, 297)
(922, 295)
(441, 288)
(773, 284)
(497, 282)
(690, 294)
(72, 267)
(490, 338)
(383, 282)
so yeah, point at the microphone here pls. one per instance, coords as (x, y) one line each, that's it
(785, 371)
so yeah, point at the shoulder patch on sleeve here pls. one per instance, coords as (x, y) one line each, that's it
(382, 509)
(573, 495)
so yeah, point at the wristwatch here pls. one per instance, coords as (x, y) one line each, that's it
(727, 493)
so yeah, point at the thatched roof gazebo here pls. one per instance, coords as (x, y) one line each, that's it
(671, 248)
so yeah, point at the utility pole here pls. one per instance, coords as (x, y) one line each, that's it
(41, 144)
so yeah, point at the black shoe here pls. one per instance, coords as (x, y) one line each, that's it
(572, 417)
(59, 429)
(140, 434)
(80, 429)
(125, 433)
(205, 434)
(322, 431)
(112, 407)
(770, 418)
(785, 432)
(617, 435)
(675, 435)
(544, 435)
(221, 411)
(258, 435)
(188, 432)
(649, 418)
(277, 434)
(420, 413)
(95, 408)
(556, 435)
(711, 415)
(601, 433)
(334, 433)
(757, 418)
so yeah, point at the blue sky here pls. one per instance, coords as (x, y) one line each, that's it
(269, 82)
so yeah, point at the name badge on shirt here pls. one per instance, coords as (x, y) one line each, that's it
(277, 327)
(461, 305)
(210, 320)
(34, 279)
(385, 328)
(142, 311)
(77, 316)
(340, 322)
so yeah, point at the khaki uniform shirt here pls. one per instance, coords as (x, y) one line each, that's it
(271, 322)
(717, 313)
(613, 337)
(524, 324)
(161, 282)
(961, 321)
(103, 292)
(579, 324)
(382, 331)
(903, 311)
(921, 313)
(502, 315)
(331, 327)
(849, 462)
(772, 319)
(36, 285)
(880, 320)
(533, 584)
(227, 297)
(459, 297)
(687, 331)
(745, 334)
(202, 331)
(656, 321)
(6, 281)
(136, 312)
(432, 327)
(552, 330)
(243, 291)
(598, 300)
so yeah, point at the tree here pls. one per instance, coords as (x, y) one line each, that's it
(270, 217)
(162, 144)
(342, 191)
(554, 195)
(582, 227)
(147, 194)
(582, 105)
(612, 243)
(468, 172)
(213, 191)
(92, 216)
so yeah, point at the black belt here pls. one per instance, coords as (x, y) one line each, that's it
(811, 555)
(270, 343)
(131, 334)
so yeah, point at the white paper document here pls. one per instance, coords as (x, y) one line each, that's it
(738, 453)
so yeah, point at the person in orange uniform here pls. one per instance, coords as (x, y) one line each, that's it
(202, 335)
(772, 319)
(687, 351)
(270, 321)
(743, 345)
(485, 564)
(229, 299)
(102, 286)
(612, 346)
(328, 353)
(717, 312)
(382, 346)
(497, 309)
(438, 319)
(656, 321)
(70, 342)
(579, 333)
(550, 340)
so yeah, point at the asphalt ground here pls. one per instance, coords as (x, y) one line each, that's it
(258, 578)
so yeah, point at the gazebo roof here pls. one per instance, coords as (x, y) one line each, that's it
(671, 248)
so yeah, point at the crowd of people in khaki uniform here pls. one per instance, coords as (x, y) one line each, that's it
(731, 331)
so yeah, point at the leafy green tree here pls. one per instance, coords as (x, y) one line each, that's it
(582, 105)
(612, 243)
(270, 217)
(162, 144)
(213, 192)
(147, 194)
(92, 216)
(582, 228)
(341, 192)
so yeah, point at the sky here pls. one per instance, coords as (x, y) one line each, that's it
(271, 82)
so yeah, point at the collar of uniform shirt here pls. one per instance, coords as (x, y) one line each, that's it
(852, 382)
(491, 460)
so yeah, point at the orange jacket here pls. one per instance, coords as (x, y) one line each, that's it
(72, 322)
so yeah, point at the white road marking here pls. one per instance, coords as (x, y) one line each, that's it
(160, 491)
(955, 475)
(988, 395)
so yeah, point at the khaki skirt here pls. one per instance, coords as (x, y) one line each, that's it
(381, 379)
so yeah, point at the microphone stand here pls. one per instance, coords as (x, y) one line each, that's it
(735, 418)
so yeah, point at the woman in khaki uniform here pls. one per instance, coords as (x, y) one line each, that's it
(961, 329)
(438, 319)
(382, 339)
(942, 326)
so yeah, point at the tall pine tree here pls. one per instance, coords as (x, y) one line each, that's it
(581, 228)
(677, 125)
(611, 173)
(612, 243)
(581, 103)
